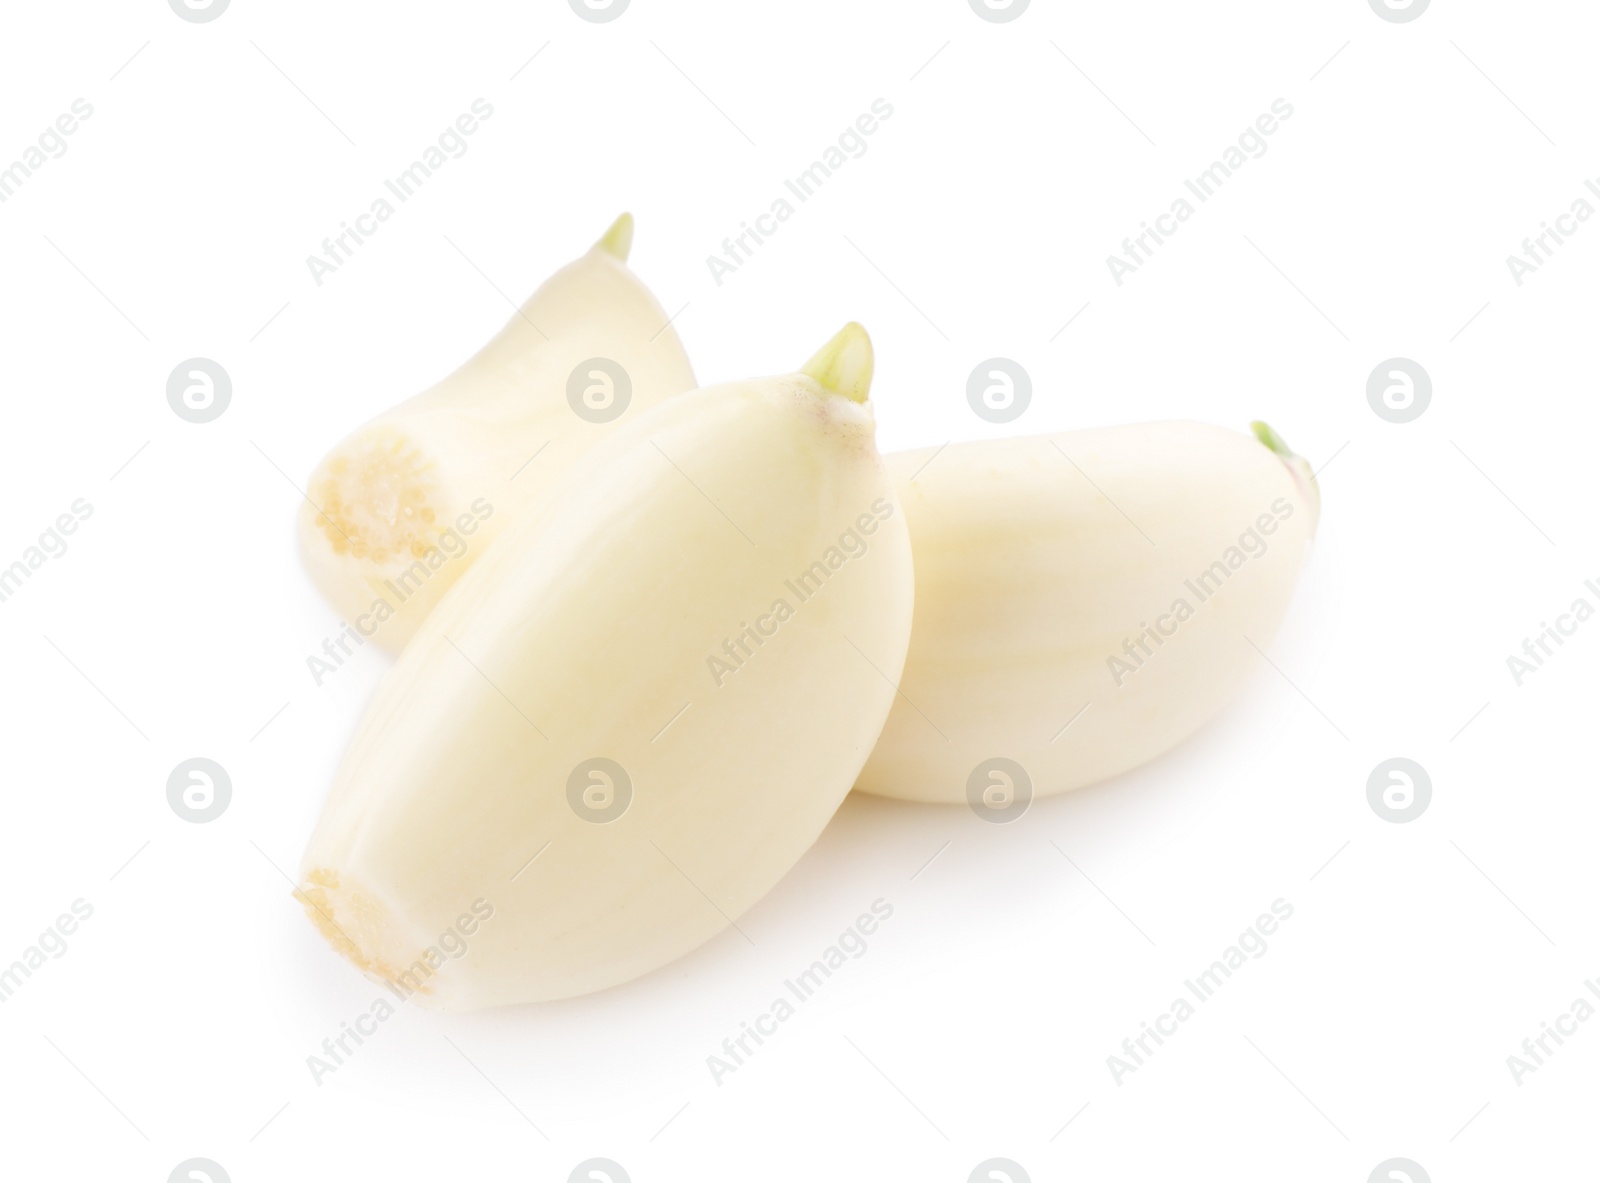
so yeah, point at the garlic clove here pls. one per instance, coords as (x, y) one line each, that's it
(1084, 602)
(408, 501)
(634, 714)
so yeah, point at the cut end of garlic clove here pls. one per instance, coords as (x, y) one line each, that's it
(375, 496)
(618, 240)
(1298, 465)
(844, 365)
(358, 928)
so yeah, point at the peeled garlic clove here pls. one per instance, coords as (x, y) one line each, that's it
(637, 711)
(408, 501)
(1084, 602)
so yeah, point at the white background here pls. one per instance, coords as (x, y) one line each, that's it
(1418, 157)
